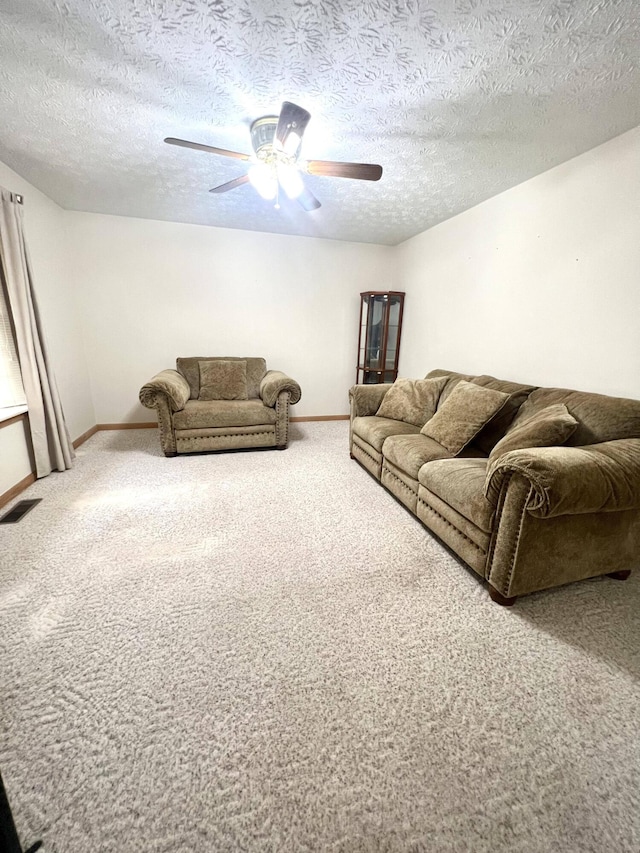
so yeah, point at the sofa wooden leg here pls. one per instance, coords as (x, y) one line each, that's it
(620, 576)
(351, 456)
(170, 455)
(281, 446)
(501, 599)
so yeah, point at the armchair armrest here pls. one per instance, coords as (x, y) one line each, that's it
(170, 383)
(365, 399)
(274, 383)
(571, 480)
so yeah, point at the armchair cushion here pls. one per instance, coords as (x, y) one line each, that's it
(467, 409)
(274, 383)
(550, 426)
(413, 401)
(204, 414)
(171, 384)
(190, 369)
(221, 379)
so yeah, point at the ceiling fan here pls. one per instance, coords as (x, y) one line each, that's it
(276, 142)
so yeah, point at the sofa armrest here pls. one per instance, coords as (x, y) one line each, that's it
(169, 383)
(571, 480)
(365, 400)
(274, 383)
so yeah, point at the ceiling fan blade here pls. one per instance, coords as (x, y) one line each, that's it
(307, 200)
(291, 126)
(210, 148)
(330, 169)
(231, 185)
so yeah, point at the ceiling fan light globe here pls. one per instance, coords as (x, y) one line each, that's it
(290, 181)
(264, 180)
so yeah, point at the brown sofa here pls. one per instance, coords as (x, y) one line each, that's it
(245, 406)
(537, 517)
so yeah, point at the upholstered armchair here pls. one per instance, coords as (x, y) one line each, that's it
(211, 403)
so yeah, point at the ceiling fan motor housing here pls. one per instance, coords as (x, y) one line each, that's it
(263, 131)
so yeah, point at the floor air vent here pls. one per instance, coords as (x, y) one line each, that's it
(19, 511)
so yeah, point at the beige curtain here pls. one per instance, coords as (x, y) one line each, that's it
(51, 445)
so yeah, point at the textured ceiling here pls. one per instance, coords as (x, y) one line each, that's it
(457, 99)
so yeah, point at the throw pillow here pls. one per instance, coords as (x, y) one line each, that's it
(413, 401)
(550, 426)
(463, 414)
(223, 380)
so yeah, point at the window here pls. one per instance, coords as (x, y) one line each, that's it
(11, 390)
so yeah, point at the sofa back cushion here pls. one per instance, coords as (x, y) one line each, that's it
(467, 410)
(497, 427)
(190, 369)
(489, 436)
(413, 401)
(600, 418)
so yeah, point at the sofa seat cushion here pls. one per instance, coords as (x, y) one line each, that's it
(410, 452)
(375, 430)
(200, 414)
(460, 483)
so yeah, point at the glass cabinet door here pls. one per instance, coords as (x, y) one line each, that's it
(379, 336)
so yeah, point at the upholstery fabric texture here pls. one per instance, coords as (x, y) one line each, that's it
(365, 400)
(460, 483)
(400, 484)
(200, 414)
(366, 455)
(538, 513)
(223, 380)
(600, 417)
(170, 383)
(455, 530)
(190, 425)
(552, 425)
(495, 429)
(274, 383)
(468, 408)
(190, 369)
(410, 452)
(596, 478)
(375, 430)
(412, 400)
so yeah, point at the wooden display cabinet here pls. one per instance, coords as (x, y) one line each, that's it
(379, 338)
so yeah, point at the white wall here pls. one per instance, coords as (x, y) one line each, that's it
(45, 232)
(15, 457)
(539, 284)
(152, 291)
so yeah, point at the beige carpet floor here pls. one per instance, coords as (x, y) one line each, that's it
(265, 652)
